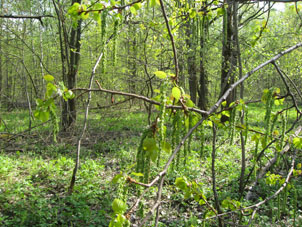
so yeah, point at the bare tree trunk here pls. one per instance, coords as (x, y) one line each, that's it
(203, 77)
(74, 43)
(1, 72)
(228, 55)
(191, 59)
(70, 57)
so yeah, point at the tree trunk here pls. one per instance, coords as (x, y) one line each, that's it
(70, 57)
(191, 59)
(228, 55)
(203, 77)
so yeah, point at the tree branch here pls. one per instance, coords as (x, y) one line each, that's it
(26, 17)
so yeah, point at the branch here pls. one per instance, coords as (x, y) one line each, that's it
(275, 194)
(257, 205)
(287, 86)
(271, 162)
(26, 17)
(205, 116)
(79, 141)
(146, 99)
(171, 37)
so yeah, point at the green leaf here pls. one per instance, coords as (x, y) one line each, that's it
(160, 74)
(119, 206)
(151, 148)
(84, 15)
(137, 174)
(153, 3)
(137, 6)
(297, 142)
(152, 154)
(39, 102)
(189, 103)
(98, 6)
(176, 93)
(166, 147)
(68, 95)
(181, 183)
(42, 115)
(149, 144)
(116, 178)
(49, 78)
(50, 89)
(201, 202)
(133, 10)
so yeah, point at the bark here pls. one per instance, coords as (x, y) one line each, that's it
(74, 43)
(1, 72)
(203, 77)
(70, 45)
(191, 59)
(228, 53)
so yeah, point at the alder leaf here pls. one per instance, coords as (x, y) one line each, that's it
(160, 74)
(176, 93)
(49, 78)
(119, 206)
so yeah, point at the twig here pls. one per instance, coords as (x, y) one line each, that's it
(275, 194)
(26, 17)
(257, 205)
(205, 116)
(171, 37)
(272, 161)
(287, 86)
(139, 97)
(73, 178)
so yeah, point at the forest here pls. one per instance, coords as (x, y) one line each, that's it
(150, 113)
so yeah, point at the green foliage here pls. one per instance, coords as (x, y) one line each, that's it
(46, 108)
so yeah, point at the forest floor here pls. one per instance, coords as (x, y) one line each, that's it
(35, 174)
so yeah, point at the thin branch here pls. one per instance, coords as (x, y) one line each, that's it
(139, 97)
(271, 162)
(205, 116)
(26, 17)
(287, 87)
(73, 178)
(257, 206)
(171, 37)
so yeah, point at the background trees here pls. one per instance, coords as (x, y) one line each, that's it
(181, 56)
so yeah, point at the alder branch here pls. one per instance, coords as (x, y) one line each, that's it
(271, 162)
(141, 97)
(294, 85)
(79, 141)
(171, 37)
(26, 17)
(205, 116)
(257, 205)
(287, 86)
(275, 194)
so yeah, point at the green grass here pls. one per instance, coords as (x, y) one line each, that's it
(35, 179)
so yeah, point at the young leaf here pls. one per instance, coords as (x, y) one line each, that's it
(119, 206)
(133, 10)
(166, 147)
(181, 183)
(160, 74)
(176, 93)
(189, 103)
(49, 78)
